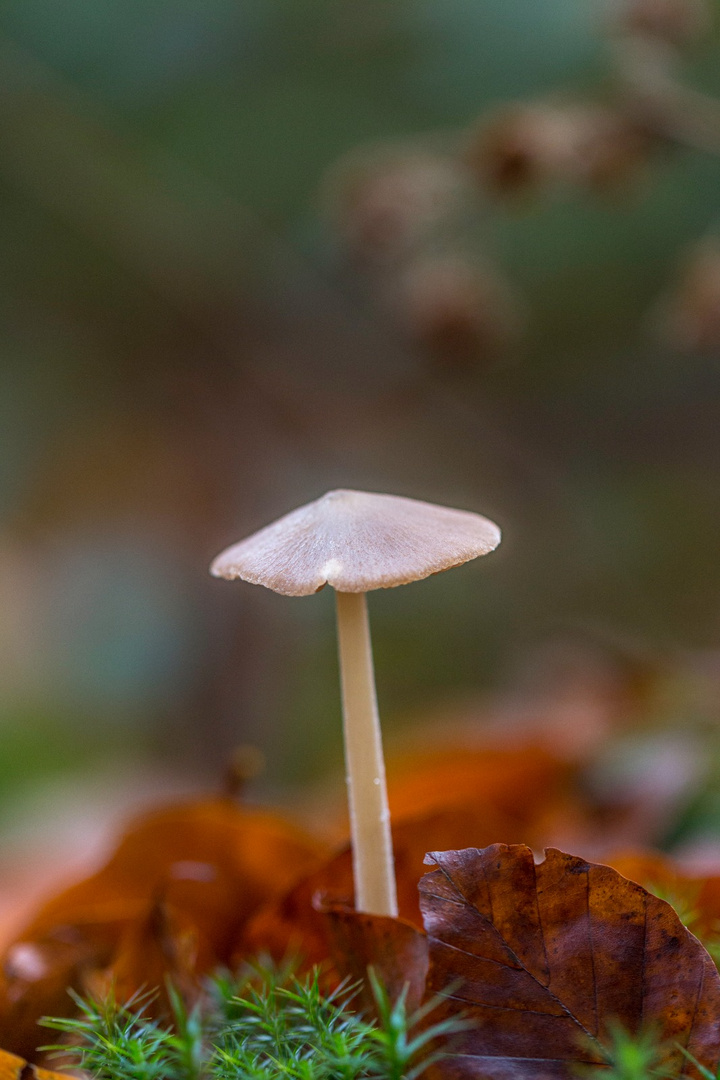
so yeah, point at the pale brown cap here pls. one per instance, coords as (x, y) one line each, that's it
(357, 541)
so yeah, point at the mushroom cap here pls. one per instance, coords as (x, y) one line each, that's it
(357, 541)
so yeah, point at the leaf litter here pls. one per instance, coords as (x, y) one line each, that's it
(543, 964)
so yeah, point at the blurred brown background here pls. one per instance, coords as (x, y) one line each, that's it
(251, 250)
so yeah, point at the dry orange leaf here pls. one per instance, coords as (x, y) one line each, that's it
(543, 959)
(529, 794)
(163, 944)
(192, 842)
(522, 786)
(211, 862)
(12, 1068)
(516, 781)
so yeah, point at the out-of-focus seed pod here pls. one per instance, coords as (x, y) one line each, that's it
(530, 146)
(691, 319)
(383, 204)
(456, 311)
(675, 22)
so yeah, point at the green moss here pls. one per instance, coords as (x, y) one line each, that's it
(266, 1024)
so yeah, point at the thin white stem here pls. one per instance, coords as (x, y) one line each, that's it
(373, 867)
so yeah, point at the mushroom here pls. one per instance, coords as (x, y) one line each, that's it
(356, 541)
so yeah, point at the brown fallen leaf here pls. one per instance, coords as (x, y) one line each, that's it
(394, 948)
(544, 959)
(213, 862)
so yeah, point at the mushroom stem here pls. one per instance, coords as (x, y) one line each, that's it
(373, 867)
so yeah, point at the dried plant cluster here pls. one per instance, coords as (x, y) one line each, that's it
(401, 213)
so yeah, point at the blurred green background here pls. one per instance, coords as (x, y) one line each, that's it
(186, 354)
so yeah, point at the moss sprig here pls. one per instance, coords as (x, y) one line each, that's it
(266, 1024)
